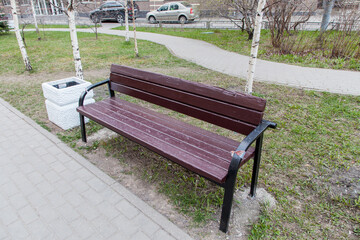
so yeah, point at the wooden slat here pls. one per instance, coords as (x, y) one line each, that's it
(211, 117)
(240, 99)
(149, 129)
(212, 105)
(199, 137)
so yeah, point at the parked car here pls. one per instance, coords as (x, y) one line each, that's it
(112, 11)
(173, 11)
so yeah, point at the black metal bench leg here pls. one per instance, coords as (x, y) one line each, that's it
(256, 166)
(227, 203)
(83, 130)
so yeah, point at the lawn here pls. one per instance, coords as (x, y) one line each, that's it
(236, 41)
(310, 163)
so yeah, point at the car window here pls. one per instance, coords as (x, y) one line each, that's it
(164, 8)
(174, 7)
(186, 4)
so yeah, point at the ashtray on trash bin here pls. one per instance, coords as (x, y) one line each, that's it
(62, 98)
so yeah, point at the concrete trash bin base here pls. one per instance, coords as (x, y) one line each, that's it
(62, 98)
(65, 116)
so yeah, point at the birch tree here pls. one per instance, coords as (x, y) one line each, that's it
(126, 22)
(35, 20)
(328, 6)
(18, 36)
(255, 46)
(70, 12)
(134, 26)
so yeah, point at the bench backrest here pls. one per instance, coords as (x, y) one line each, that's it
(228, 109)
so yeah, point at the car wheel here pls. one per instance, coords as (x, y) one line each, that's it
(152, 20)
(120, 18)
(182, 19)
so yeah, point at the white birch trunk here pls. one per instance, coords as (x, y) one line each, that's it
(255, 46)
(18, 36)
(52, 7)
(74, 41)
(126, 22)
(35, 20)
(134, 26)
(45, 7)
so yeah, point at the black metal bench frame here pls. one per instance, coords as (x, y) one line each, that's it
(255, 132)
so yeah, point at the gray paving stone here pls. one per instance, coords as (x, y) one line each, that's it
(68, 212)
(108, 210)
(17, 201)
(61, 228)
(88, 211)
(74, 166)
(112, 197)
(27, 214)
(92, 196)
(17, 230)
(39, 230)
(3, 232)
(47, 191)
(55, 199)
(127, 209)
(62, 186)
(58, 167)
(97, 184)
(145, 224)
(37, 200)
(45, 187)
(52, 176)
(125, 227)
(162, 235)
(74, 198)
(35, 178)
(47, 213)
(84, 174)
(26, 168)
(83, 228)
(140, 236)
(80, 185)
(104, 227)
(9, 189)
(8, 215)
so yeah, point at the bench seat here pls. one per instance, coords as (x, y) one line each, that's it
(203, 152)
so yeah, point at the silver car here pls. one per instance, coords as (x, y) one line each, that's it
(171, 12)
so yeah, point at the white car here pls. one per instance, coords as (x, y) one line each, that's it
(173, 12)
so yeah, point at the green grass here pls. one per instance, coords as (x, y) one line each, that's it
(237, 41)
(95, 54)
(304, 160)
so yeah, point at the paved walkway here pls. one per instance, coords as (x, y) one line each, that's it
(212, 57)
(47, 191)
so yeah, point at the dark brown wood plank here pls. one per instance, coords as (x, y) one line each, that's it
(209, 104)
(108, 115)
(219, 120)
(179, 126)
(160, 146)
(240, 99)
(208, 153)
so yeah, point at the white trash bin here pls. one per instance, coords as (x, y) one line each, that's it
(62, 99)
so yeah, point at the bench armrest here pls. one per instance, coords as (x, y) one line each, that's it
(239, 154)
(89, 88)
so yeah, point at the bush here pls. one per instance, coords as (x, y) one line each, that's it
(4, 27)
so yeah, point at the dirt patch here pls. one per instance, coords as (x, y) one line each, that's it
(344, 183)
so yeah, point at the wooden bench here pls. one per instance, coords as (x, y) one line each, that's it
(205, 153)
